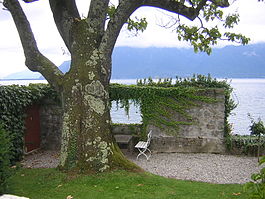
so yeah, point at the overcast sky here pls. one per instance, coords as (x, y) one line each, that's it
(252, 24)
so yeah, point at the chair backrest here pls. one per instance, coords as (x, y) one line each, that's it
(149, 137)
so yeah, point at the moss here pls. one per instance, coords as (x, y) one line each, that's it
(119, 161)
(68, 145)
(65, 139)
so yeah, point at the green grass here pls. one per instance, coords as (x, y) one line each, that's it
(53, 184)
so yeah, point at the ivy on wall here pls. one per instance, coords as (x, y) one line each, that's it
(160, 100)
(13, 101)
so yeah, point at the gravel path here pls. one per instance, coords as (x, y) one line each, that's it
(213, 168)
(41, 159)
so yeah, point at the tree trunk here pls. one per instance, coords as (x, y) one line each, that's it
(87, 142)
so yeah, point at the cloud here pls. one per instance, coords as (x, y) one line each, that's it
(252, 24)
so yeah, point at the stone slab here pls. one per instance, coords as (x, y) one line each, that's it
(123, 139)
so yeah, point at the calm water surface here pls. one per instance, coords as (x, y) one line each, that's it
(248, 93)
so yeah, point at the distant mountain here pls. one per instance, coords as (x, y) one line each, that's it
(64, 67)
(25, 74)
(228, 62)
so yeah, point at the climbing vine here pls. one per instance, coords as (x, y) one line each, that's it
(160, 100)
(13, 101)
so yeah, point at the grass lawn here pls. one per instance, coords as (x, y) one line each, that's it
(53, 184)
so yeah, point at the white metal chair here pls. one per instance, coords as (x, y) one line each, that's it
(143, 146)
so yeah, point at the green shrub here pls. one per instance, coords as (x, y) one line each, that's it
(257, 129)
(5, 156)
(256, 188)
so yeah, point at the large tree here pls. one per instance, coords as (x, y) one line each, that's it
(87, 143)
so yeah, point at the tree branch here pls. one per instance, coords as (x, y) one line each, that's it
(64, 14)
(127, 7)
(120, 17)
(173, 6)
(35, 61)
(115, 24)
(97, 14)
(201, 5)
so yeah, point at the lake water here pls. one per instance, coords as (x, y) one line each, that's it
(248, 93)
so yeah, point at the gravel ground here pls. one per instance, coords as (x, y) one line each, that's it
(41, 159)
(213, 168)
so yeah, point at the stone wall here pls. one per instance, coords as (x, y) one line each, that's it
(126, 129)
(50, 124)
(205, 135)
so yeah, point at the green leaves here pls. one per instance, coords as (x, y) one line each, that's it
(256, 187)
(137, 25)
(13, 101)
(160, 100)
(133, 25)
(200, 38)
(5, 156)
(212, 12)
(231, 20)
(257, 127)
(111, 11)
(239, 38)
(207, 34)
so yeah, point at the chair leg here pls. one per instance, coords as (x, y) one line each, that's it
(149, 154)
(142, 152)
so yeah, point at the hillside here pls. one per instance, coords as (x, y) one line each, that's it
(228, 62)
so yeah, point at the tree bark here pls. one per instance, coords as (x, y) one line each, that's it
(87, 142)
(64, 14)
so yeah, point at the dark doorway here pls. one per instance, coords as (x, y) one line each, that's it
(32, 131)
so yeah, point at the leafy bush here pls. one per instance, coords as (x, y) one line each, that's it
(257, 129)
(13, 101)
(256, 188)
(245, 144)
(5, 156)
